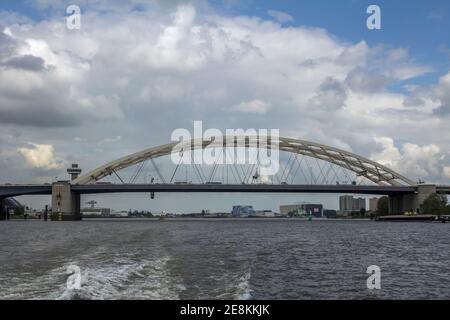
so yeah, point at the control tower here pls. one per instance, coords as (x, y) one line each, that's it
(74, 171)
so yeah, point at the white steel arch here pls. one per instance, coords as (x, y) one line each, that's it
(362, 166)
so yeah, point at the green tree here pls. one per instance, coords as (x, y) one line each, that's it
(19, 211)
(362, 212)
(435, 204)
(383, 206)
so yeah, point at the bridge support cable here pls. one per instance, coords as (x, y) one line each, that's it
(114, 171)
(178, 165)
(135, 172)
(251, 168)
(255, 166)
(296, 171)
(160, 176)
(290, 170)
(336, 176)
(138, 171)
(311, 176)
(213, 171)
(240, 179)
(321, 172)
(328, 175)
(200, 170)
(283, 175)
(347, 175)
(196, 168)
(248, 171)
(301, 167)
(232, 172)
(320, 175)
(235, 172)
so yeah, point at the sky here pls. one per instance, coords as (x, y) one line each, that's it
(137, 70)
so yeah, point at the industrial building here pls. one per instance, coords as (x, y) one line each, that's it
(248, 212)
(242, 211)
(303, 209)
(95, 212)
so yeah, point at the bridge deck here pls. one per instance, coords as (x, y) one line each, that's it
(17, 190)
(113, 188)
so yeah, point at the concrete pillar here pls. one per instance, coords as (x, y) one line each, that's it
(65, 203)
(396, 204)
(410, 202)
(423, 191)
(3, 213)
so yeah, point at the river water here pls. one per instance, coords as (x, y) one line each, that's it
(224, 259)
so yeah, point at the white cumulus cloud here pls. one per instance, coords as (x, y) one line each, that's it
(415, 161)
(139, 74)
(280, 16)
(446, 172)
(254, 106)
(40, 156)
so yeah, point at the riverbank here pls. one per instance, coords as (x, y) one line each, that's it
(415, 218)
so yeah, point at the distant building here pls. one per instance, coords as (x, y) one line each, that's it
(263, 214)
(359, 204)
(315, 210)
(286, 209)
(345, 204)
(373, 204)
(96, 212)
(122, 214)
(242, 211)
(330, 213)
(349, 204)
(303, 209)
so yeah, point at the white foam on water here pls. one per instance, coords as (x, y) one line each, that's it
(118, 278)
(125, 279)
(237, 286)
(28, 286)
(244, 292)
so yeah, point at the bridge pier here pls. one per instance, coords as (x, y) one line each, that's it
(3, 213)
(65, 202)
(410, 202)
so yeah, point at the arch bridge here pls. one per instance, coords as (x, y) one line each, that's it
(331, 164)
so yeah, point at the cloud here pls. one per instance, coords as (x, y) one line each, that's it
(331, 95)
(180, 47)
(7, 44)
(360, 80)
(442, 91)
(25, 62)
(109, 140)
(397, 64)
(415, 161)
(139, 70)
(446, 172)
(280, 16)
(40, 156)
(442, 111)
(254, 106)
